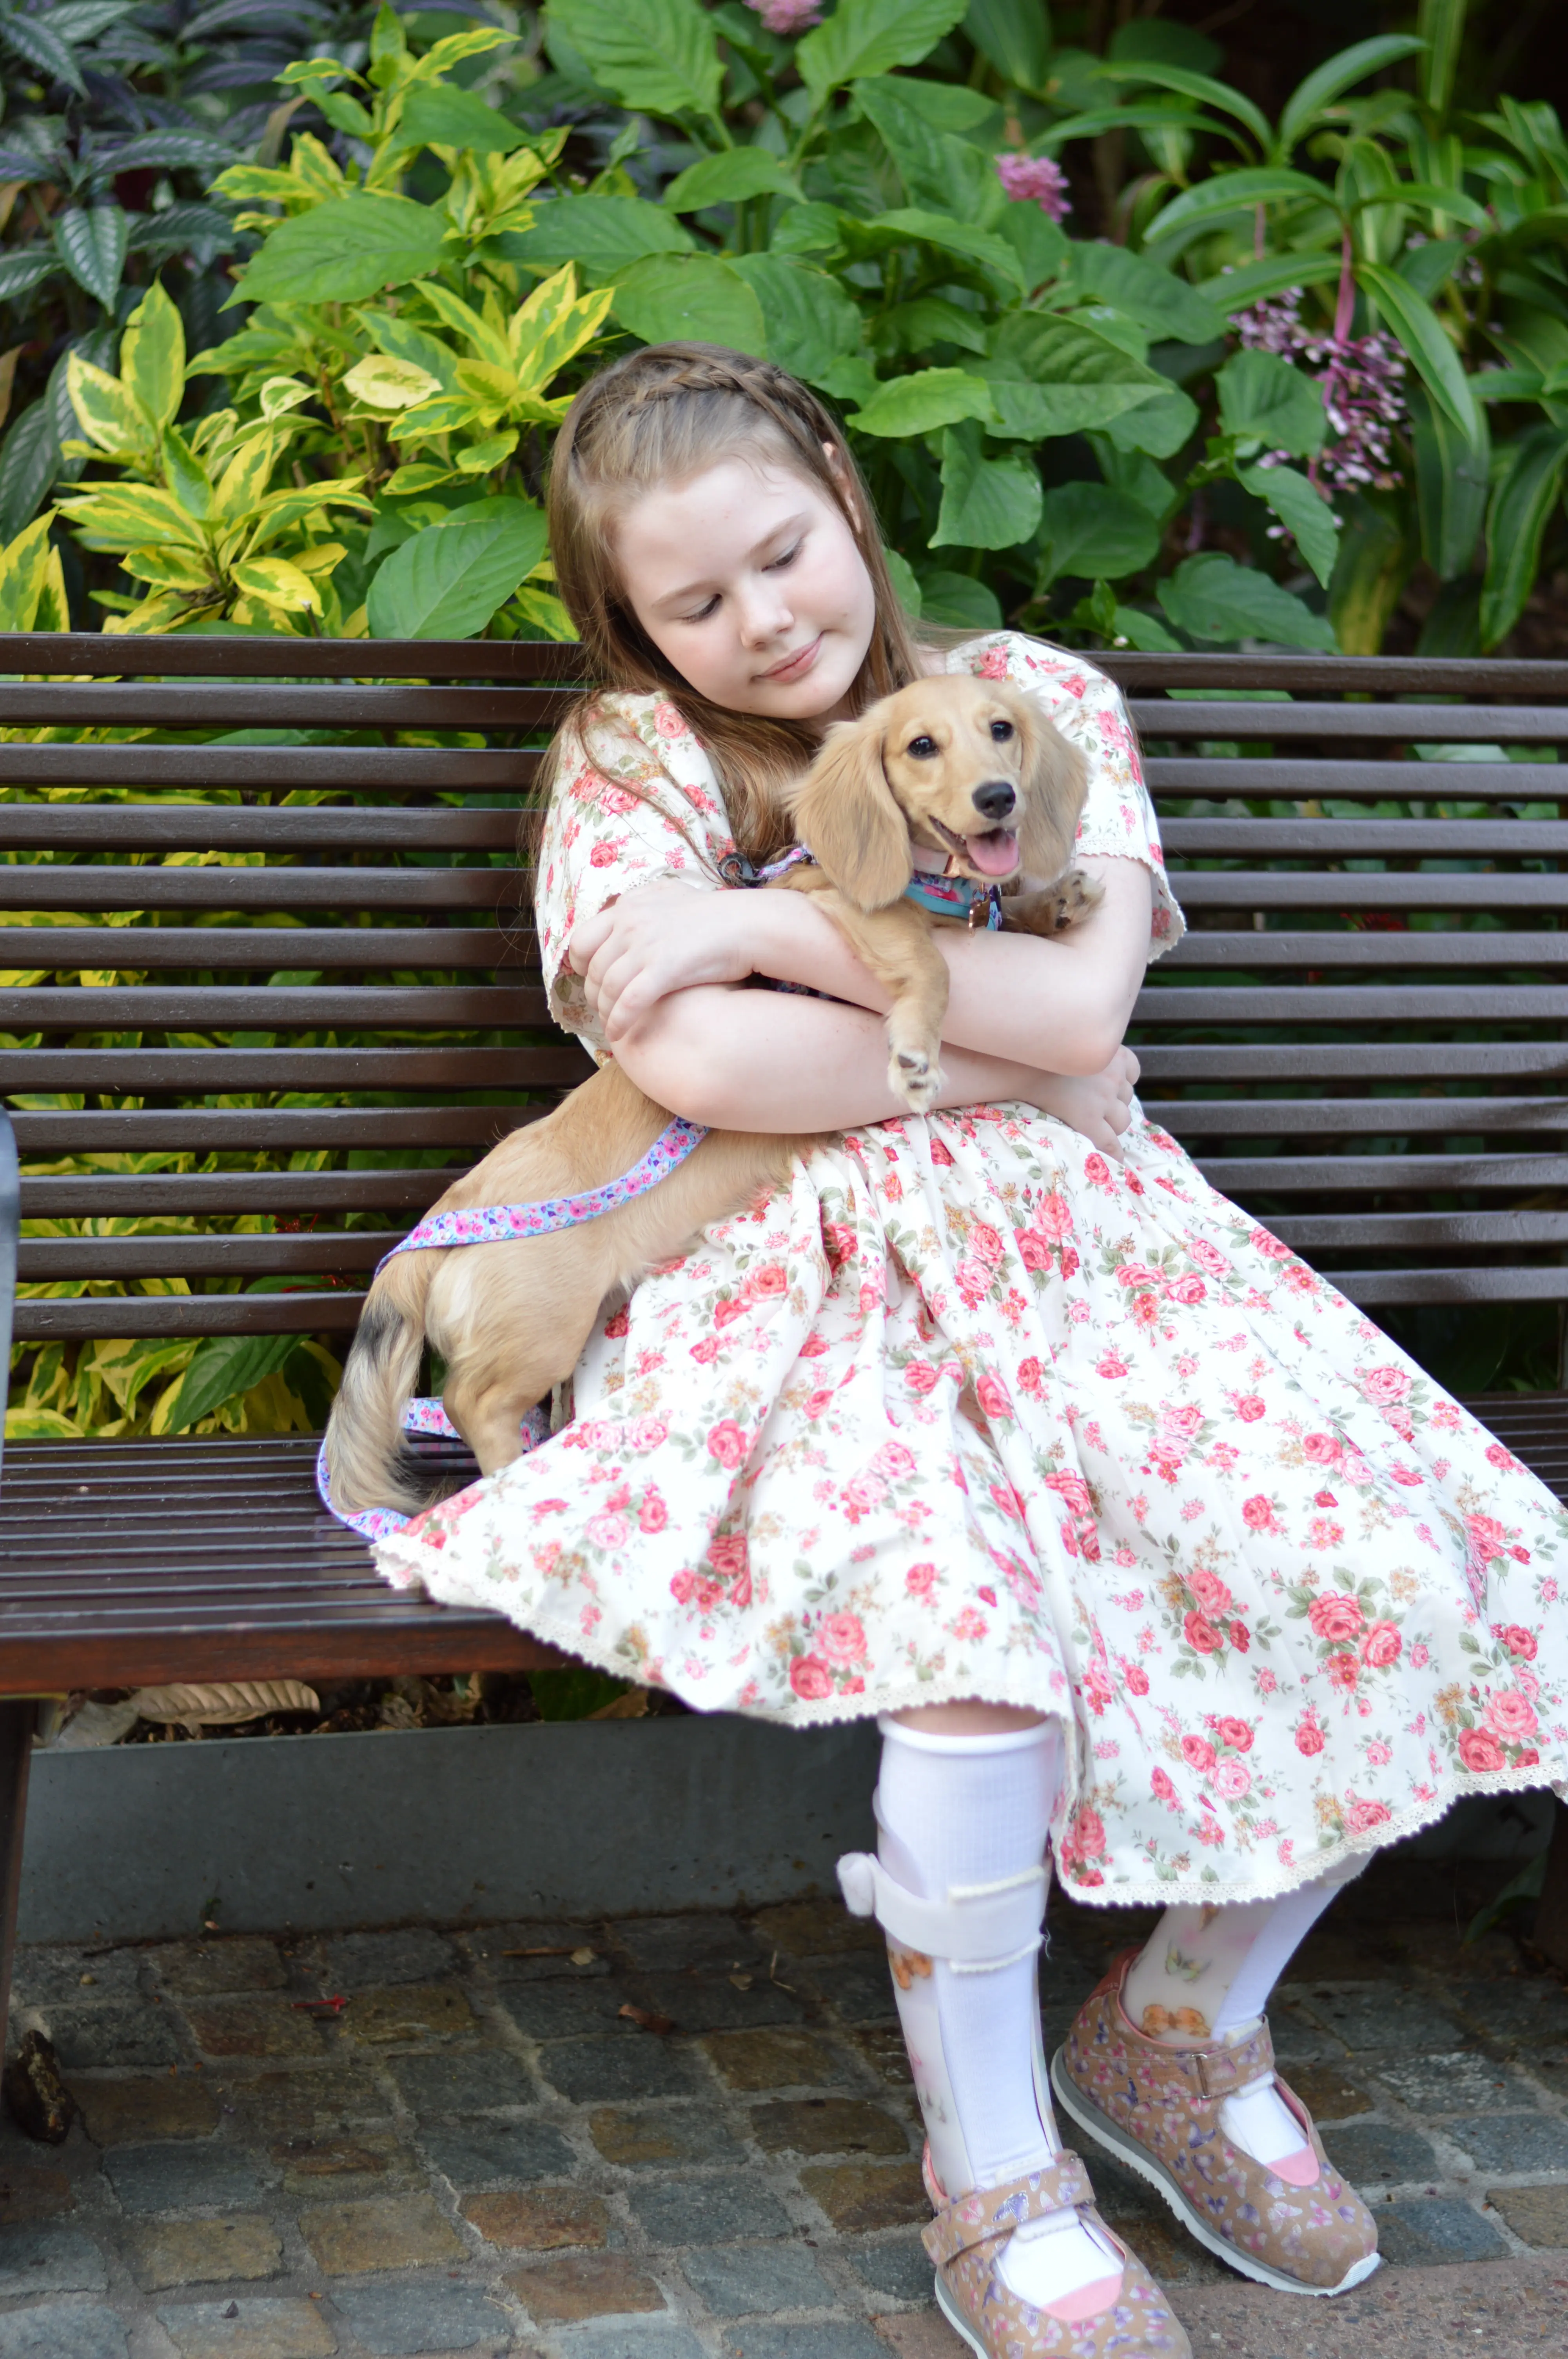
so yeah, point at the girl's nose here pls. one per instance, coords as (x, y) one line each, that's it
(764, 614)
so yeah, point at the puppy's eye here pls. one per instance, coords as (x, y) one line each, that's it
(923, 748)
(1001, 731)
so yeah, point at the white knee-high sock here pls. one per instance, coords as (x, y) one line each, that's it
(961, 1817)
(1206, 1973)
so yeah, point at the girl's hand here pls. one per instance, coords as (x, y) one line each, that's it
(660, 938)
(1100, 1105)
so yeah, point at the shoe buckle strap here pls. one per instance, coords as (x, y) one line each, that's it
(975, 1928)
(993, 2213)
(1225, 2071)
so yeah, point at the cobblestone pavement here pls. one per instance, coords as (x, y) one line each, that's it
(489, 2140)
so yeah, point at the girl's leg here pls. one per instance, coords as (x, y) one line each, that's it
(1205, 1974)
(964, 1806)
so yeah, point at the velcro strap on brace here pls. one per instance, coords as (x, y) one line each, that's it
(992, 2213)
(975, 1929)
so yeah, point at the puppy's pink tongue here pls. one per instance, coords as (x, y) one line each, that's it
(995, 854)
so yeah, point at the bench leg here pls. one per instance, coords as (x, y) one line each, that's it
(18, 1721)
(1551, 1915)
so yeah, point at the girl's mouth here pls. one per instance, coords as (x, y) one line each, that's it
(991, 856)
(796, 666)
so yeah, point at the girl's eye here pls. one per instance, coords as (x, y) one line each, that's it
(923, 748)
(702, 613)
(1001, 731)
(788, 557)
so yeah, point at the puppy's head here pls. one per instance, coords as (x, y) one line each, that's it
(968, 769)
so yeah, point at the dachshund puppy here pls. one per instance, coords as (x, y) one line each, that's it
(961, 778)
(961, 775)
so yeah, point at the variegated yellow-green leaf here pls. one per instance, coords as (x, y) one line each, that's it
(161, 612)
(132, 515)
(480, 457)
(320, 558)
(278, 583)
(169, 568)
(553, 325)
(382, 383)
(52, 612)
(244, 479)
(281, 394)
(23, 566)
(445, 414)
(488, 341)
(152, 356)
(418, 476)
(108, 413)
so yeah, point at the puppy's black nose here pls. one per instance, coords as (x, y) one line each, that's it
(994, 800)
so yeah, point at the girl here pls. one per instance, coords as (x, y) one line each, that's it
(999, 1423)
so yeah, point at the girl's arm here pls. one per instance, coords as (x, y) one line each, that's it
(1058, 1006)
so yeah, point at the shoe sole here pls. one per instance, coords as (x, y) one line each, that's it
(1105, 2133)
(950, 2312)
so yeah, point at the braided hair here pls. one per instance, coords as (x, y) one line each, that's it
(664, 415)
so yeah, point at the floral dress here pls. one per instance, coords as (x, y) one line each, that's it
(970, 1409)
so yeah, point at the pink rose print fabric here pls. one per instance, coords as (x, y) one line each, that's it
(969, 1408)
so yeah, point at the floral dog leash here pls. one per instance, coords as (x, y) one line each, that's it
(487, 1224)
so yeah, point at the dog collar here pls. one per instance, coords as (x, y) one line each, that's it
(956, 896)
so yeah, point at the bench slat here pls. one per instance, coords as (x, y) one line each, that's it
(1224, 778)
(1405, 724)
(1366, 839)
(1346, 1004)
(174, 1194)
(1415, 946)
(1312, 1233)
(63, 1319)
(283, 1007)
(1391, 1060)
(98, 886)
(1323, 1175)
(1371, 1287)
(131, 948)
(1271, 888)
(272, 1129)
(199, 827)
(224, 1071)
(265, 770)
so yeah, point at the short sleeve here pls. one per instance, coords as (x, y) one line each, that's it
(1119, 819)
(635, 797)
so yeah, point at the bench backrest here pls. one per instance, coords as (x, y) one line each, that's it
(335, 964)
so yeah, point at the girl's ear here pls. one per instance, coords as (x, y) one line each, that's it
(1055, 779)
(846, 818)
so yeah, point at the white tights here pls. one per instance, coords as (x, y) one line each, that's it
(963, 1823)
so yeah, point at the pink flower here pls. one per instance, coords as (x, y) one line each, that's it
(1096, 1171)
(1381, 1646)
(841, 1637)
(773, 1280)
(1034, 1249)
(726, 1442)
(1110, 1368)
(1201, 1635)
(992, 1396)
(1136, 1679)
(921, 1377)
(1187, 1290)
(1309, 1738)
(1031, 1377)
(820, 1402)
(1362, 1817)
(647, 1433)
(1086, 1838)
(669, 720)
(787, 16)
(985, 1244)
(1324, 1449)
(1055, 1219)
(1270, 1247)
(1419, 1657)
(1250, 1408)
(1344, 1670)
(653, 1514)
(1073, 1490)
(1488, 1537)
(728, 1554)
(1232, 1779)
(920, 1580)
(970, 1627)
(1236, 1733)
(1208, 1257)
(1197, 1752)
(894, 1459)
(1520, 1644)
(1136, 1273)
(1478, 1751)
(1146, 1308)
(1257, 1514)
(1510, 1715)
(972, 1279)
(1498, 1456)
(1387, 1383)
(810, 1678)
(1160, 1784)
(1337, 1618)
(609, 1531)
(1036, 180)
(1208, 1589)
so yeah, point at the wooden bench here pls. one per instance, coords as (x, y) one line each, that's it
(1406, 1134)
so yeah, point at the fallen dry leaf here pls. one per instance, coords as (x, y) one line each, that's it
(647, 2021)
(223, 1704)
(632, 1705)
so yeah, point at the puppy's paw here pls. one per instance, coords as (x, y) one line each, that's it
(1073, 898)
(915, 1079)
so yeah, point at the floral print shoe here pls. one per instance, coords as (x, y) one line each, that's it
(1131, 2318)
(1158, 2109)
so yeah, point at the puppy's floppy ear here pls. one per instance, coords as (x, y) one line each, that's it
(846, 817)
(1053, 783)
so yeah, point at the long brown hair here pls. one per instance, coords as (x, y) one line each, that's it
(662, 415)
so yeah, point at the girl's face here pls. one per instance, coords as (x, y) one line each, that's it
(748, 581)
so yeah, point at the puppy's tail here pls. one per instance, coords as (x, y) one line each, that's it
(367, 1464)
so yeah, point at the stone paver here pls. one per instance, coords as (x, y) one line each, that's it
(479, 2151)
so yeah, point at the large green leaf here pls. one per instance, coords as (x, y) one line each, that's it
(1451, 476)
(444, 114)
(220, 1369)
(603, 235)
(1159, 426)
(42, 47)
(1252, 282)
(1339, 73)
(1425, 341)
(1211, 597)
(691, 299)
(1095, 533)
(730, 178)
(871, 37)
(948, 176)
(1374, 563)
(1217, 96)
(92, 244)
(912, 224)
(345, 249)
(1015, 35)
(808, 320)
(26, 268)
(659, 56)
(1050, 376)
(1522, 506)
(29, 460)
(986, 503)
(152, 355)
(1302, 509)
(1227, 192)
(1263, 399)
(447, 581)
(921, 403)
(1159, 301)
